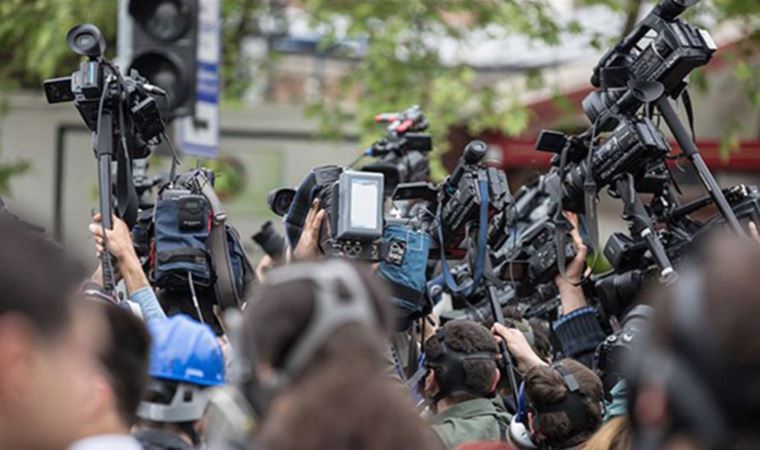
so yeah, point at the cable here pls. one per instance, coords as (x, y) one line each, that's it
(194, 297)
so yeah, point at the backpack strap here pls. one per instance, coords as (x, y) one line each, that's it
(224, 288)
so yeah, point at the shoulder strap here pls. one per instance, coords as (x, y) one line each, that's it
(224, 288)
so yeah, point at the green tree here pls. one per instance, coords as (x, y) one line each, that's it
(402, 65)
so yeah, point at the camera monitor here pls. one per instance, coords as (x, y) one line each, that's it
(361, 205)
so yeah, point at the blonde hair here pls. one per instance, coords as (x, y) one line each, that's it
(613, 435)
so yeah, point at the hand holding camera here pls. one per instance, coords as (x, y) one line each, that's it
(119, 243)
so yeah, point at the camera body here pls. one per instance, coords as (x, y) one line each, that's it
(676, 50)
(98, 86)
(353, 202)
(460, 196)
(635, 146)
(403, 150)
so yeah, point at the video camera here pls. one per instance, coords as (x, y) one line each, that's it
(121, 114)
(635, 146)
(98, 86)
(403, 151)
(635, 63)
(353, 202)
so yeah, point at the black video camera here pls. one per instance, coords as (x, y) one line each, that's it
(667, 59)
(98, 83)
(403, 151)
(528, 255)
(462, 194)
(353, 202)
(634, 147)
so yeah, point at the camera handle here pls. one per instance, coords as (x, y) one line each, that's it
(506, 357)
(104, 153)
(641, 226)
(689, 148)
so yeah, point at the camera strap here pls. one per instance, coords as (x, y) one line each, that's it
(225, 289)
(480, 256)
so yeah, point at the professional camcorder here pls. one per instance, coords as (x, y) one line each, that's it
(123, 116)
(639, 62)
(403, 151)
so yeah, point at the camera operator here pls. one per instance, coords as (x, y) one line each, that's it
(695, 384)
(186, 360)
(461, 384)
(563, 400)
(127, 263)
(44, 358)
(121, 342)
(314, 335)
(577, 329)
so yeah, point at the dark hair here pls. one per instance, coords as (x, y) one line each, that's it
(125, 357)
(544, 386)
(466, 336)
(36, 279)
(359, 407)
(277, 316)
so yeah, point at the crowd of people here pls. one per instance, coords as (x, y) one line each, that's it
(311, 358)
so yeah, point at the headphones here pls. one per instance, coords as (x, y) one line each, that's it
(331, 311)
(574, 405)
(449, 365)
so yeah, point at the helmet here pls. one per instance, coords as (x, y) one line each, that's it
(185, 359)
(186, 351)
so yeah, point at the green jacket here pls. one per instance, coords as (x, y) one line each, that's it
(472, 420)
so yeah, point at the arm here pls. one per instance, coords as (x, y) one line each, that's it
(518, 346)
(578, 329)
(128, 265)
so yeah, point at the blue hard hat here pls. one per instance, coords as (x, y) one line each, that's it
(186, 351)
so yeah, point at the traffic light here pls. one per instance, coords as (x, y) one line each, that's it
(164, 40)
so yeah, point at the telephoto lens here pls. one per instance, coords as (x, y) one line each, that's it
(270, 241)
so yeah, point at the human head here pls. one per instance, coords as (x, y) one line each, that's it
(185, 360)
(564, 403)
(45, 360)
(462, 359)
(122, 343)
(343, 376)
(696, 381)
(291, 302)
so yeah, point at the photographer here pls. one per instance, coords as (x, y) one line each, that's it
(461, 384)
(577, 329)
(128, 266)
(564, 400)
(45, 359)
(314, 336)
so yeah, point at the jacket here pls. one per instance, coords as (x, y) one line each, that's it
(471, 420)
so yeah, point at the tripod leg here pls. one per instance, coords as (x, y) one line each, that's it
(691, 151)
(641, 225)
